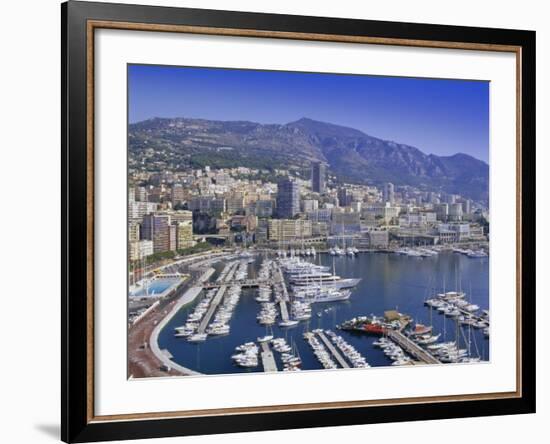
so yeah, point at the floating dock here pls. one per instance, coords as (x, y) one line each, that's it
(335, 353)
(268, 360)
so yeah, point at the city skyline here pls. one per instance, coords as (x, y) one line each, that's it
(437, 116)
(286, 248)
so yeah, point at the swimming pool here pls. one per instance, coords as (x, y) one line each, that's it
(154, 288)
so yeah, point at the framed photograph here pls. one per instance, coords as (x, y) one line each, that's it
(276, 221)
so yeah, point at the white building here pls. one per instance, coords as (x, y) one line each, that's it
(140, 249)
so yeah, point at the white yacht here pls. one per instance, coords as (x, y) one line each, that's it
(266, 338)
(330, 295)
(198, 337)
(289, 323)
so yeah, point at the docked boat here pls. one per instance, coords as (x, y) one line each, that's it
(420, 329)
(330, 281)
(266, 338)
(329, 295)
(476, 254)
(198, 337)
(289, 323)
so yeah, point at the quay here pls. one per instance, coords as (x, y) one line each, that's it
(339, 358)
(211, 309)
(268, 360)
(163, 355)
(412, 348)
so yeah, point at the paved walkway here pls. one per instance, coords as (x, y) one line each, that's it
(268, 360)
(211, 309)
(343, 363)
(162, 355)
(412, 348)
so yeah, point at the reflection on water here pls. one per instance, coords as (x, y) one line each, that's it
(389, 281)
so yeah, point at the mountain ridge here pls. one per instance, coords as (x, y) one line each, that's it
(351, 154)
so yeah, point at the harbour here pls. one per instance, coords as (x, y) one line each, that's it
(268, 307)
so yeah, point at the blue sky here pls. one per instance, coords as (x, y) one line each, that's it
(437, 116)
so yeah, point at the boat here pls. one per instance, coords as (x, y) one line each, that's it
(428, 340)
(288, 323)
(266, 338)
(198, 337)
(375, 329)
(420, 329)
(329, 295)
(476, 254)
(317, 278)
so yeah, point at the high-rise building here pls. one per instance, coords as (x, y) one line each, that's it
(263, 208)
(322, 215)
(156, 227)
(210, 205)
(309, 205)
(442, 211)
(138, 250)
(318, 174)
(136, 210)
(345, 221)
(467, 206)
(455, 212)
(388, 193)
(344, 198)
(288, 199)
(184, 236)
(178, 194)
(288, 230)
(262, 230)
(177, 216)
(234, 203)
(133, 232)
(140, 194)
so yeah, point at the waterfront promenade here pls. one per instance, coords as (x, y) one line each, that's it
(188, 297)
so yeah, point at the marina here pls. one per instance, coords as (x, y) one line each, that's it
(267, 304)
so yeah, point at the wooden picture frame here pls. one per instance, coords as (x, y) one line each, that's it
(79, 22)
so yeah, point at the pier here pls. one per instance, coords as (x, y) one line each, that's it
(268, 360)
(280, 280)
(213, 305)
(283, 284)
(335, 353)
(206, 275)
(246, 283)
(284, 310)
(412, 348)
